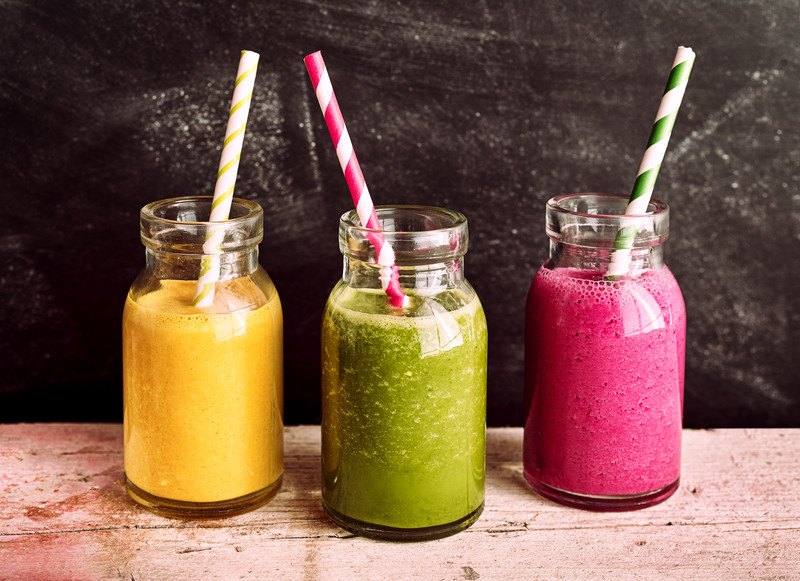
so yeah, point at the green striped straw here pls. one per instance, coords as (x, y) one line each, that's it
(226, 178)
(653, 156)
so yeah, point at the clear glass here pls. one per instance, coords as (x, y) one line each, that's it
(604, 361)
(202, 386)
(404, 388)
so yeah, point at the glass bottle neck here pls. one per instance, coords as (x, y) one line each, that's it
(167, 265)
(418, 278)
(591, 258)
(176, 238)
(596, 233)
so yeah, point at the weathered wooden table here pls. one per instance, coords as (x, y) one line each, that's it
(64, 515)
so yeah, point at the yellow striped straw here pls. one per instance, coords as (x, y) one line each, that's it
(226, 177)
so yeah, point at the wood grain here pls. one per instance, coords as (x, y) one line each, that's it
(64, 515)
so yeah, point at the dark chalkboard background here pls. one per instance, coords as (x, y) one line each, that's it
(486, 107)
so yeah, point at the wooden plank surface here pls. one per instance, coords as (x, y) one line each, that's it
(64, 514)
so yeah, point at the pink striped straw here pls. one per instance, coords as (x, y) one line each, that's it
(353, 176)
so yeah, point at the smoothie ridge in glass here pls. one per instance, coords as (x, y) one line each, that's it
(604, 362)
(404, 389)
(202, 386)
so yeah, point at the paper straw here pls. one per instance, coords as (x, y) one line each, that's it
(353, 176)
(653, 156)
(226, 178)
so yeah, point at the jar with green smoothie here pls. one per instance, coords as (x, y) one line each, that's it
(404, 387)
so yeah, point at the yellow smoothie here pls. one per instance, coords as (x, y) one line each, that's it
(203, 391)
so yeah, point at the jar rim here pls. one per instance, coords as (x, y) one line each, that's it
(148, 211)
(593, 220)
(350, 219)
(163, 227)
(418, 234)
(556, 204)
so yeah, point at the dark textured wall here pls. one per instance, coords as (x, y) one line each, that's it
(486, 107)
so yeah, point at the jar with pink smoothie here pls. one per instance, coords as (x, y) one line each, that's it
(604, 360)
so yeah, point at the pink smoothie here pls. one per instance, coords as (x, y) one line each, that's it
(604, 382)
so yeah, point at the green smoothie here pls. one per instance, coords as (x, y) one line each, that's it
(403, 408)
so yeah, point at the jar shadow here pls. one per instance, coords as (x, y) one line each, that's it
(301, 497)
(504, 472)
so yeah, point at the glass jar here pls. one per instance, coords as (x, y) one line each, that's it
(604, 360)
(202, 386)
(404, 388)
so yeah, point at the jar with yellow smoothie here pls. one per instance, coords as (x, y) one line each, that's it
(202, 386)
